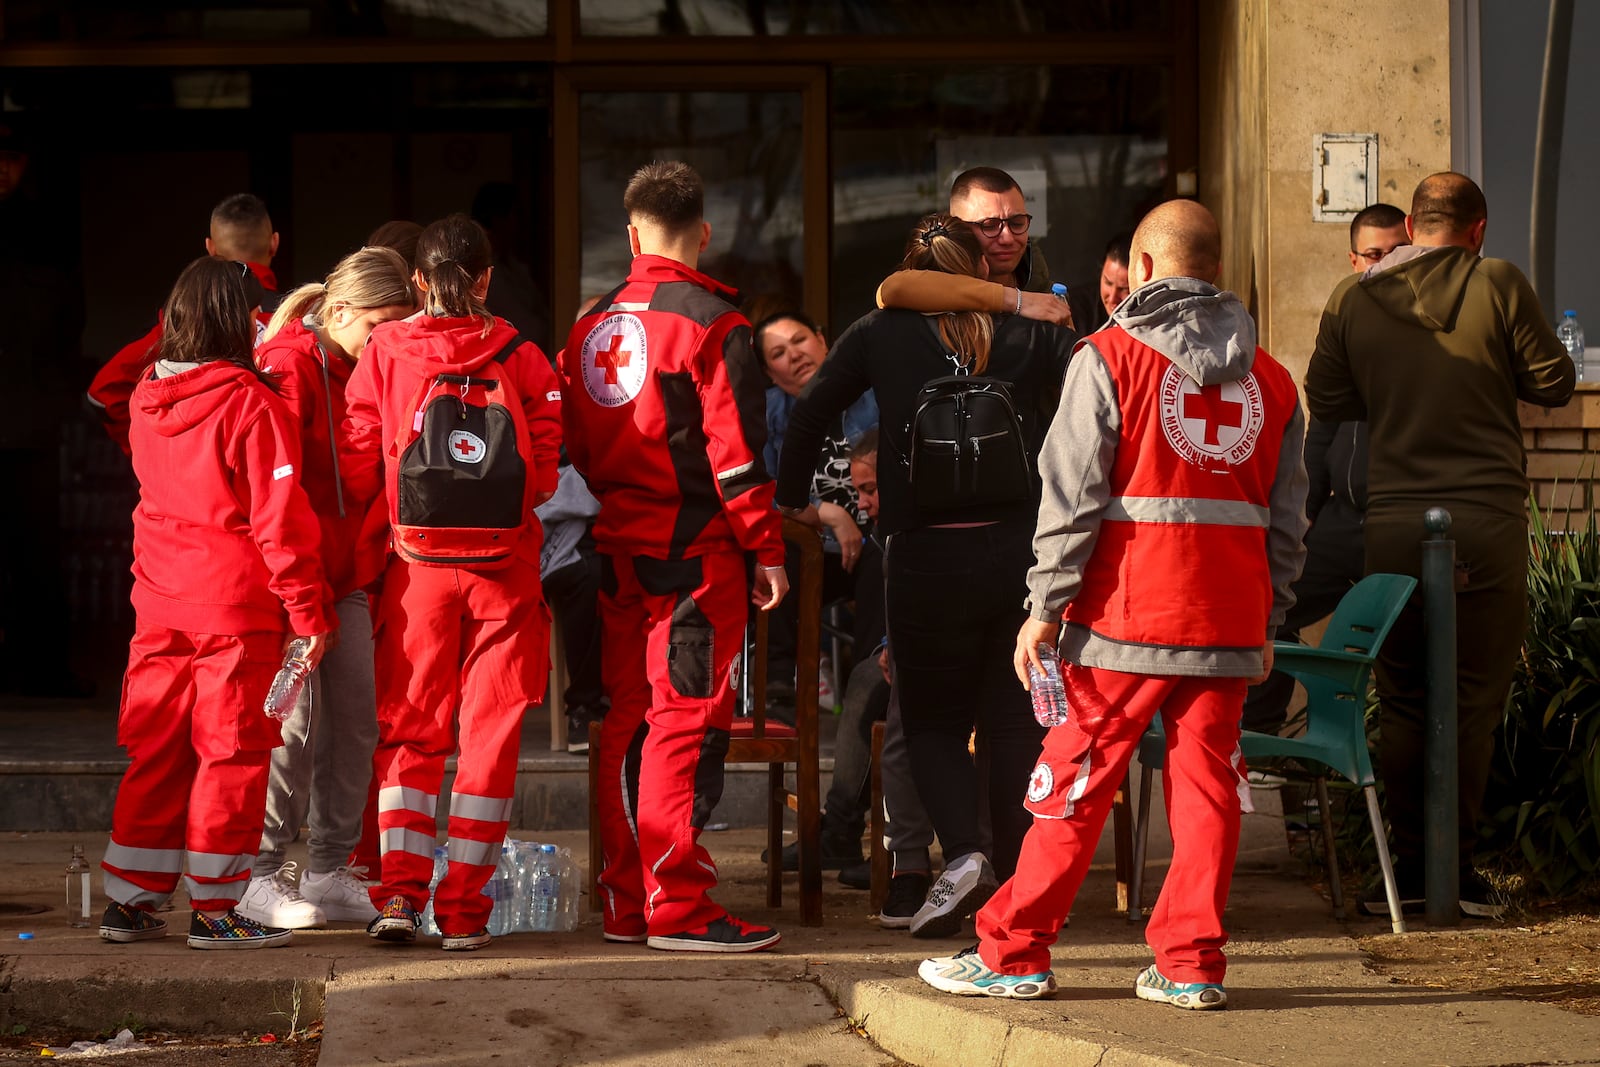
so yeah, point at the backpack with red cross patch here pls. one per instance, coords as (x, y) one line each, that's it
(462, 498)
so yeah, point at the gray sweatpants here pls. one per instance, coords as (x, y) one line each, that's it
(322, 770)
(908, 834)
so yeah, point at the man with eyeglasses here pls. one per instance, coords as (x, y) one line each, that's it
(991, 200)
(1433, 346)
(1336, 460)
(1374, 233)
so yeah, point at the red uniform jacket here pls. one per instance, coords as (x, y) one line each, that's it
(113, 384)
(311, 383)
(666, 419)
(1181, 558)
(399, 356)
(224, 540)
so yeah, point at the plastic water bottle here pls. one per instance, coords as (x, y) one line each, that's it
(1045, 688)
(1571, 335)
(441, 862)
(570, 885)
(501, 889)
(78, 889)
(291, 678)
(546, 888)
(1060, 290)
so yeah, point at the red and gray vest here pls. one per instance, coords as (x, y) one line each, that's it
(1181, 557)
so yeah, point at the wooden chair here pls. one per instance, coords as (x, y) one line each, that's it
(755, 740)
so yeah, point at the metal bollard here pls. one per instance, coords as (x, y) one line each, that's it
(1441, 838)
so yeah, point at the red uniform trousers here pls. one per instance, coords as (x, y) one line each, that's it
(460, 656)
(1070, 795)
(198, 750)
(671, 630)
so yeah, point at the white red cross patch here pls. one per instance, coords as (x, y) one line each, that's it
(614, 360)
(1042, 782)
(466, 447)
(1209, 424)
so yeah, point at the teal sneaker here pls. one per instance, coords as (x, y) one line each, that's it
(964, 974)
(1196, 996)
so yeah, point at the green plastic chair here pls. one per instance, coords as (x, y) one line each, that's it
(1335, 676)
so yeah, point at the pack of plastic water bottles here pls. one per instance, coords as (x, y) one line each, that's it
(534, 888)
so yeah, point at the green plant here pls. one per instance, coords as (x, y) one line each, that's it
(1545, 786)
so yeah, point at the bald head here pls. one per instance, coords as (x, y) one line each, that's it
(1178, 239)
(1448, 209)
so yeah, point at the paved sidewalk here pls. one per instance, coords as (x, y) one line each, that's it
(1299, 992)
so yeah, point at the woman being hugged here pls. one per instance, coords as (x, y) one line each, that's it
(959, 545)
(226, 573)
(319, 777)
(456, 421)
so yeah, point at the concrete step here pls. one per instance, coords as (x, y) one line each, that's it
(60, 768)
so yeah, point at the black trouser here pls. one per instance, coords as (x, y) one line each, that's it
(954, 608)
(1491, 620)
(573, 595)
(864, 585)
(1334, 562)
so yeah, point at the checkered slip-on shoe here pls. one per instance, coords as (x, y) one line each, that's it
(123, 923)
(234, 931)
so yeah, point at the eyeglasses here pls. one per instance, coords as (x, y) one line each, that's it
(1017, 224)
(1372, 255)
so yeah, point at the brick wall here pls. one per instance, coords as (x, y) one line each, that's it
(1564, 454)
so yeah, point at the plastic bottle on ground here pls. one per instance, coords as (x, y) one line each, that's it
(79, 890)
(546, 889)
(441, 862)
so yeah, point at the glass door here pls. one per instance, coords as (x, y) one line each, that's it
(758, 139)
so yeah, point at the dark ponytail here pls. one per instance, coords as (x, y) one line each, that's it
(210, 316)
(452, 254)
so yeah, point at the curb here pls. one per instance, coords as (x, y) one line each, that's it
(213, 995)
(936, 1030)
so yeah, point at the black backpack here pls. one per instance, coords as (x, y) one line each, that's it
(967, 447)
(461, 497)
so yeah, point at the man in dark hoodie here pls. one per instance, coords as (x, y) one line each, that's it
(1168, 536)
(1336, 463)
(1433, 320)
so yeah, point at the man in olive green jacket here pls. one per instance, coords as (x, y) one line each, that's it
(1434, 346)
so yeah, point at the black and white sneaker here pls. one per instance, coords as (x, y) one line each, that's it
(906, 895)
(124, 923)
(726, 934)
(1479, 900)
(962, 889)
(234, 931)
(1375, 901)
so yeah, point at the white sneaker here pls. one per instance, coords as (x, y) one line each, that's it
(276, 901)
(962, 889)
(342, 895)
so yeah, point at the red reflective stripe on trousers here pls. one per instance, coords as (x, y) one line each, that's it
(449, 639)
(198, 749)
(1201, 788)
(660, 880)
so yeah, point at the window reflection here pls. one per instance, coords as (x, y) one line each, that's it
(1087, 145)
(255, 20)
(740, 18)
(746, 146)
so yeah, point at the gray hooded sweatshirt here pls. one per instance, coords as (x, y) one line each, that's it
(1210, 335)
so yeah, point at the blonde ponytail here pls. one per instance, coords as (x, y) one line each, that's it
(305, 301)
